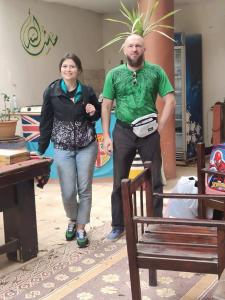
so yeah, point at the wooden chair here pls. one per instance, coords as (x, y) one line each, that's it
(188, 245)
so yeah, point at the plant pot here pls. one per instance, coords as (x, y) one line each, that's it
(7, 129)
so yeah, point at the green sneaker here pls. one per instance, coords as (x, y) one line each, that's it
(71, 231)
(82, 239)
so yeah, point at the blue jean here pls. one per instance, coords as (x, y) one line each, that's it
(75, 170)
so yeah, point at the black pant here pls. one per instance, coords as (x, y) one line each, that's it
(125, 146)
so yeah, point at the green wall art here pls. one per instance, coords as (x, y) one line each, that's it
(34, 38)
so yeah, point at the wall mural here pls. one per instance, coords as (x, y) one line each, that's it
(34, 37)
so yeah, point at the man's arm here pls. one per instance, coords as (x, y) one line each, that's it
(168, 109)
(107, 105)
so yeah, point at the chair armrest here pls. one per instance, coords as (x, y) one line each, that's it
(174, 221)
(190, 196)
(208, 171)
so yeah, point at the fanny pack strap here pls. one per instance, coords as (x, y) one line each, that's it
(123, 124)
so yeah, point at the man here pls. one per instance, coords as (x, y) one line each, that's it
(134, 86)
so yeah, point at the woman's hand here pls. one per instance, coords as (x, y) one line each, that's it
(90, 109)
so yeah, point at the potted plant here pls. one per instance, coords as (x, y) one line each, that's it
(8, 119)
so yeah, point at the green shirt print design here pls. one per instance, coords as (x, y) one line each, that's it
(135, 93)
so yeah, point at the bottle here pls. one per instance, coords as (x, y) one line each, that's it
(13, 104)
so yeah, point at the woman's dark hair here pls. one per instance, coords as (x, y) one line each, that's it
(74, 58)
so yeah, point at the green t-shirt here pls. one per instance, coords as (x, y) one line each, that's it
(135, 93)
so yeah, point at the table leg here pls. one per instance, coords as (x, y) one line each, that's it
(20, 221)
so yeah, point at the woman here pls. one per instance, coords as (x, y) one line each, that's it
(67, 119)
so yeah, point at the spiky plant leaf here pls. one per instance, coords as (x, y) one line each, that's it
(127, 13)
(150, 13)
(164, 34)
(151, 27)
(164, 26)
(139, 23)
(126, 33)
(119, 21)
(118, 38)
(166, 16)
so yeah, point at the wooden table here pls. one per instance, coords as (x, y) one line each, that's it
(17, 202)
(220, 290)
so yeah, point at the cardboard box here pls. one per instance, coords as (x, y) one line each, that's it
(12, 156)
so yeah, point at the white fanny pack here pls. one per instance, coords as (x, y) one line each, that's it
(145, 125)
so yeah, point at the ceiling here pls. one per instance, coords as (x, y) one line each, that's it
(106, 6)
(99, 6)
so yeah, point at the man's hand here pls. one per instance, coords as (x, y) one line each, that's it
(108, 145)
(106, 110)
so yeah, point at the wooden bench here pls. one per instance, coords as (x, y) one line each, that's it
(17, 202)
(188, 245)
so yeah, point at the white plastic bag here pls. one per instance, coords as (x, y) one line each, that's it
(183, 208)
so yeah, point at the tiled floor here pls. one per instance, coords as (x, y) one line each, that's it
(51, 221)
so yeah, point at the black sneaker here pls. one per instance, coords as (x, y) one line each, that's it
(71, 231)
(82, 239)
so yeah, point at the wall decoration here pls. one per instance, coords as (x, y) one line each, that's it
(35, 40)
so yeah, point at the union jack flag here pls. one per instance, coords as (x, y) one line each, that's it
(30, 125)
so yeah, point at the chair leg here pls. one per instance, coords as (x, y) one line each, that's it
(152, 277)
(135, 283)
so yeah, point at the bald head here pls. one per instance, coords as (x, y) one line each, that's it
(133, 49)
(134, 38)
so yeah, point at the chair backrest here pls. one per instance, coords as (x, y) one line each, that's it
(137, 200)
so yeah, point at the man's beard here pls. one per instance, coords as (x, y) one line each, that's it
(137, 62)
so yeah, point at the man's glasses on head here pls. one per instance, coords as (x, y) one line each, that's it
(134, 78)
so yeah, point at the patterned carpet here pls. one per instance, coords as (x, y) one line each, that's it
(99, 272)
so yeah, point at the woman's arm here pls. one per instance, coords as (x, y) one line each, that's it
(93, 100)
(46, 123)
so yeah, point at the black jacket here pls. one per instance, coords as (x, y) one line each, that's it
(66, 123)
